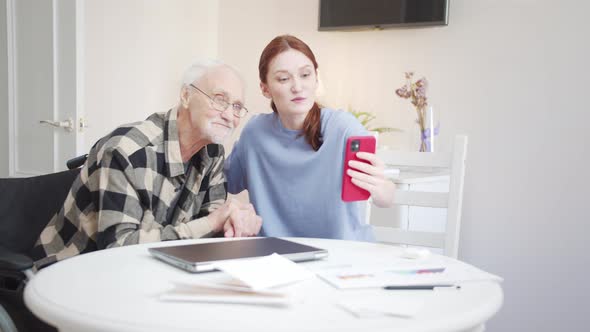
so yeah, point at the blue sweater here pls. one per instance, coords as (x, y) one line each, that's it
(296, 190)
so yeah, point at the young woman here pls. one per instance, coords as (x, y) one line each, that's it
(291, 160)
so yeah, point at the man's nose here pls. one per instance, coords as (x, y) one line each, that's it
(228, 114)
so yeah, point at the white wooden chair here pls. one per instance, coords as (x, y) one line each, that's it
(454, 162)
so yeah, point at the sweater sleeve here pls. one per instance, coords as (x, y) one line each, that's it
(352, 126)
(234, 169)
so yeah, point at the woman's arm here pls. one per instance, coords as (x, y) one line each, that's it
(234, 170)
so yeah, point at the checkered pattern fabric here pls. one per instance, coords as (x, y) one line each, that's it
(133, 189)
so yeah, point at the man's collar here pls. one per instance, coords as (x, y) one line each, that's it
(172, 144)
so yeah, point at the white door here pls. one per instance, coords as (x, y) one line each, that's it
(43, 94)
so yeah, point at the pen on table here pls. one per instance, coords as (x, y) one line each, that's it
(421, 287)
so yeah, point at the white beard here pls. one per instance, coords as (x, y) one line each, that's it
(215, 136)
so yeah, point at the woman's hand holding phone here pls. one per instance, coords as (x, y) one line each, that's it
(370, 176)
(354, 145)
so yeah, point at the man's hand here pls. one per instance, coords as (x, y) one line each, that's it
(235, 219)
(217, 218)
(242, 221)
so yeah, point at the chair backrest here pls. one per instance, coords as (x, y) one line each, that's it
(454, 162)
(28, 204)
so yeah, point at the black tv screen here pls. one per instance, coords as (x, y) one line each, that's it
(351, 14)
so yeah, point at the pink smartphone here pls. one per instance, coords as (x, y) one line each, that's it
(354, 144)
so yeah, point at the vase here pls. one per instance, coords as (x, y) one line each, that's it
(425, 141)
(376, 135)
(428, 133)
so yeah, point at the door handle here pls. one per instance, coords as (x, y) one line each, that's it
(67, 124)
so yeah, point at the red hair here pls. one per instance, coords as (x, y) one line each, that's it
(312, 122)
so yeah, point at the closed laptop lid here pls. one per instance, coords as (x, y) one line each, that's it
(202, 256)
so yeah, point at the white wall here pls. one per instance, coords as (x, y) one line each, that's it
(511, 74)
(3, 93)
(135, 53)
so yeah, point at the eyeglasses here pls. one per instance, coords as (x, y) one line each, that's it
(221, 105)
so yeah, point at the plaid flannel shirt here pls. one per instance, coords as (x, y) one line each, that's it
(133, 189)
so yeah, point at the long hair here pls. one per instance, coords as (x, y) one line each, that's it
(312, 123)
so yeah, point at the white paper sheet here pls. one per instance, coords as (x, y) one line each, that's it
(219, 293)
(265, 272)
(407, 274)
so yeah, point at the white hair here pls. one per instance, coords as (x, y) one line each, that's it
(199, 68)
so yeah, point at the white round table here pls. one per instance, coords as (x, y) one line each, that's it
(117, 290)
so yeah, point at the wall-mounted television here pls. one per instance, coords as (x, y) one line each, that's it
(363, 14)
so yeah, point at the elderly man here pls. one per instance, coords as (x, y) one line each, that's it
(159, 179)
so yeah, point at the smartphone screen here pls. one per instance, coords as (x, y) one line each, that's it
(354, 144)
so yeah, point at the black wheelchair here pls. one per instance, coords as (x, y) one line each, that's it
(26, 207)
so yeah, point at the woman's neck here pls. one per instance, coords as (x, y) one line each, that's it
(292, 122)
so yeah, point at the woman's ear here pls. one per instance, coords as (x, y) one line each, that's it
(264, 89)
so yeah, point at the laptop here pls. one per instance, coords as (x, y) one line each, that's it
(201, 257)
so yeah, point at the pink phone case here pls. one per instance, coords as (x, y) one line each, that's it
(354, 144)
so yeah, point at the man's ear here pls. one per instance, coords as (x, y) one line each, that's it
(184, 97)
(264, 89)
